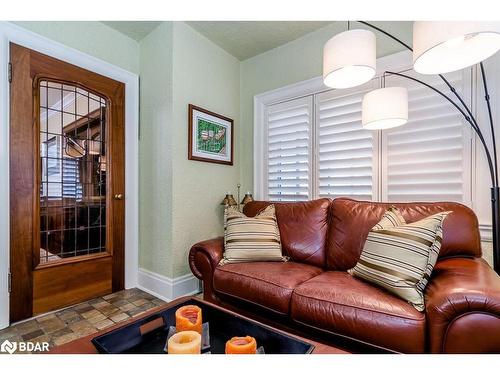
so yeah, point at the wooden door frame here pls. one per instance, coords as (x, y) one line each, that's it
(15, 34)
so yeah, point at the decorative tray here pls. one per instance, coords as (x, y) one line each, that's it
(149, 335)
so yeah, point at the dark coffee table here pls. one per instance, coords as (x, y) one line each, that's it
(123, 337)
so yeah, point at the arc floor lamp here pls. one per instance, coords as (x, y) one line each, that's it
(349, 59)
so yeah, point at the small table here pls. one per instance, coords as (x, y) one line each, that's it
(84, 345)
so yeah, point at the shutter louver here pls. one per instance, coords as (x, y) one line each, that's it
(62, 175)
(53, 168)
(72, 188)
(289, 150)
(346, 154)
(426, 159)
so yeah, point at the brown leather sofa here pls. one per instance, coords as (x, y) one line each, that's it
(324, 239)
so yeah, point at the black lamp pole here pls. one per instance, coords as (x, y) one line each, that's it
(467, 113)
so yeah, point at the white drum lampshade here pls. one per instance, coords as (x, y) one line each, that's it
(442, 47)
(385, 108)
(349, 59)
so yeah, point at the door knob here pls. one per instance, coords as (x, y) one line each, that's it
(118, 197)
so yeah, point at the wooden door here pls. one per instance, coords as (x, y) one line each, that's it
(67, 184)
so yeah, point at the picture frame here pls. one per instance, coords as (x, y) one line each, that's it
(210, 136)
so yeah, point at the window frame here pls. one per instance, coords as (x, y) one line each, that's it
(397, 62)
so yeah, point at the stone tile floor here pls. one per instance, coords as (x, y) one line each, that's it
(77, 321)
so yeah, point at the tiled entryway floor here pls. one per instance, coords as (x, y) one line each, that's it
(83, 319)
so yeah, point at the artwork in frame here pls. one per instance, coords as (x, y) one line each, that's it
(210, 136)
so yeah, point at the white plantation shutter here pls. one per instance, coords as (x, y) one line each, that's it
(428, 159)
(289, 139)
(315, 146)
(346, 154)
(72, 187)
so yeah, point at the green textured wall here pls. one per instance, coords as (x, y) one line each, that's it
(91, 37)
(155, 151)
(179, 198)
(209, 77)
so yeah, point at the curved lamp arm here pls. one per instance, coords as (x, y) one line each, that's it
(468, 117)
(490, 115)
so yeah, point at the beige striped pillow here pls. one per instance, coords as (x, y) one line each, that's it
(391, 218)
(251, 239)
(401, 258)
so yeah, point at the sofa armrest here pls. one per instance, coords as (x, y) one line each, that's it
(203, 259)
(462, 303)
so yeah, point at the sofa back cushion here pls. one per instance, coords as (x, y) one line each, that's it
(303, 228)
(351, 220)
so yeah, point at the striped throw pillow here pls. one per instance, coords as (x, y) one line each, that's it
(251, 239)
(391, 218)
(400, 258)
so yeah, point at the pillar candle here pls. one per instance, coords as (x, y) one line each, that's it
(241, 345)
(188, 318)
(185, 342)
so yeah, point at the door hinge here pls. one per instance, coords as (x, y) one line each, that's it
(10, 282)
(10, 72)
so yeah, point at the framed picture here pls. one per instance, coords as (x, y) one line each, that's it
(210, 136)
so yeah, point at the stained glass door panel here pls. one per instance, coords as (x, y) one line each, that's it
(73, 172)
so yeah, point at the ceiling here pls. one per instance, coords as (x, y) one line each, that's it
(133, 29)
(245, 39)
(242, 39)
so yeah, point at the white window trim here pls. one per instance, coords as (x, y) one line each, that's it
(311, 86)
(12, 33)
(396, 62)
(261, 102)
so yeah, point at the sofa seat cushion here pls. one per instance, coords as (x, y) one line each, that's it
(339, 303)
(268, 284)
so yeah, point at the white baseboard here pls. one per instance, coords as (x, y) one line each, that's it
(485, 230)
(167, 288)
